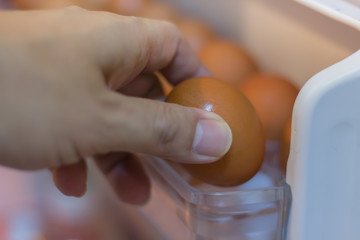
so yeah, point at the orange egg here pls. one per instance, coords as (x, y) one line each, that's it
(60, 4)
(285, 145)
(246, 153)
(49, 4)
(227, 61)
(196, 32)
(128, 7)
(273, 98)
(158, 11)
(28, 4)
(97, 5)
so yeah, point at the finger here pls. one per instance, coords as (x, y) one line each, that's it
(162, 129)
(137, 45)
(145, 85)
(180, 67)
(71, 179)
(126, 176)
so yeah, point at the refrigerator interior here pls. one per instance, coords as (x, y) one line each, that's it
(296, 39)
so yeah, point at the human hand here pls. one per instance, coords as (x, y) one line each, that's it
(76, 83)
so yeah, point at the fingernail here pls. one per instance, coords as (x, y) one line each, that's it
(212, 139)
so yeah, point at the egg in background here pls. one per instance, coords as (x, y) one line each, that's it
(97, 5)
(51, 4)
(196, 32)
(128, 7)
(54, 4)
(227, 61)
(273, 98)
(28, 4)
(246, 153)
(159, 11)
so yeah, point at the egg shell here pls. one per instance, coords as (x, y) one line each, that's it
(196, 32)
(96, 5)
(273, 97)
(158, 11)
(54, 4)
(128, 7)
(246, 153)
(227, 61)
(28, 4)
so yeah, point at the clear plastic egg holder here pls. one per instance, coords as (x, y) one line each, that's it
(182, 207)
(283, 37)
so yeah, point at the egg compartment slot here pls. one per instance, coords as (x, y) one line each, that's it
(191, 209)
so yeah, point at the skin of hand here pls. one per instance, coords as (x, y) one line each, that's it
(77, 83)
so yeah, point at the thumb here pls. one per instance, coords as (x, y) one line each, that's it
(165, 130)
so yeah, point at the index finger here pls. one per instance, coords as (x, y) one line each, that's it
(138, 45)
(170, 53)
(185, 64)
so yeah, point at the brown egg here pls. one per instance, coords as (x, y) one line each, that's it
(28, 4)
(158, 11)
(50, 4)
(60, 4)
(247, 150)
(273, 98)
(196, 32)
(285, 145)
(227, 61)
(128, 7)
(97, 5)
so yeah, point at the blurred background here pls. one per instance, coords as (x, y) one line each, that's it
(31, 207)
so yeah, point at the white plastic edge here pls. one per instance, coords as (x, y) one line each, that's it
(340, 10)
(305, 106)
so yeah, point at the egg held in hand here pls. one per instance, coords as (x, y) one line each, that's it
(245, 156)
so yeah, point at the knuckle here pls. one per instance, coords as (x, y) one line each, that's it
(136, 23)
(166, 131)
(61, 152)
(68, 155)
(172, 27)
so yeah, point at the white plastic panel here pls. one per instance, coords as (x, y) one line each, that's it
(325, 155)
(347, 11)
(287, 38)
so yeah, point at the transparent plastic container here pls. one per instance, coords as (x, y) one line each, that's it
(182, 207)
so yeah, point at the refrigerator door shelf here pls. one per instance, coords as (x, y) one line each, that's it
(324, 156)
(346, 11)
